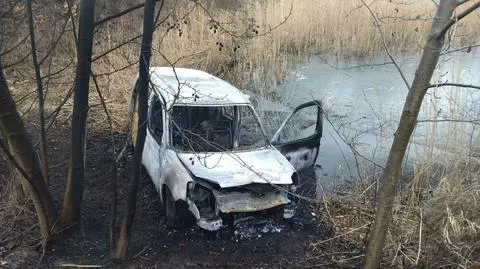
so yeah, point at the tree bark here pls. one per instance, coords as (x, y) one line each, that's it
(14, 138)
(72, 203)
(41, 101)
(143, 81)
(406, 126)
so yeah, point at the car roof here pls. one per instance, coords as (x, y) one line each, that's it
(194, 87)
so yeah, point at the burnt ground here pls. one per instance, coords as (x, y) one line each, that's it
(254, 242)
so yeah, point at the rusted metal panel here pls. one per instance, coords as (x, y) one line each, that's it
(236, 201)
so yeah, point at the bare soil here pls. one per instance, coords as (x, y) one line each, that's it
(254, 242)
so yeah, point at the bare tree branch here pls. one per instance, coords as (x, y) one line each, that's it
(121, 13)
(41, 101)
(384, 42)
(157, 24)
(350, 145)
(474, 122)
(25, 97)
(461, 2)
(10, 9)
(17, 62)
(118, 69)
(52, 74)
(466, 48)
(116, 47)
(454, 85)
(55, 43)
(57, 110)
(53, 116)
(455, 19)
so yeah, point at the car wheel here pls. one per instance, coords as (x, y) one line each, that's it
(176, 214)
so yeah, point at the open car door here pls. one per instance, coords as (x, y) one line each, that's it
(298, 138)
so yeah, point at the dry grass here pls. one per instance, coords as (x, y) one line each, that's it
(441, 231)
(232, 41)
(17, 216)
(436, 220)
(258, 63)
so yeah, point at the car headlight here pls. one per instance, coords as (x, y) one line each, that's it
(190, 187)
(293, 188)
(197, 192)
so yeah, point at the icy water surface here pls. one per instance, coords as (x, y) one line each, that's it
(363, 104)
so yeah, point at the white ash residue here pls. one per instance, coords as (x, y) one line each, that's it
(251, 228)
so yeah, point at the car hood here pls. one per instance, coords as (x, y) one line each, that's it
(230, 169)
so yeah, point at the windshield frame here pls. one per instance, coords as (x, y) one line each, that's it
(235, 147)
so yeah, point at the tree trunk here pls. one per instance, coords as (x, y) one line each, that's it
(41, 101)
(72, 203)
(16, 143)
(406, 126)
(143, 81)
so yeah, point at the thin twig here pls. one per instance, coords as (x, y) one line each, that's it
(157, 24)
(384, 42)
(352, 148)
(17, 62)
(115, 48)
(7, 51)
(419, 238)
(461, 85)
(340, 235)
(325, 204)
(10, 9)
(56, 42)
(121, 13)
(465, 48)
(141, 252)
(474, 122)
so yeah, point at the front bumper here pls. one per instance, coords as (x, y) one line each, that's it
(247, 199)
(236, 201)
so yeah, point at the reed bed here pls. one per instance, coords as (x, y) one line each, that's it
(249, 43)
(236, 42)
(436, 219)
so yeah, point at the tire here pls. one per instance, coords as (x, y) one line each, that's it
(177, 215)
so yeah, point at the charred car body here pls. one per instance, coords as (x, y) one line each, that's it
(207, 153)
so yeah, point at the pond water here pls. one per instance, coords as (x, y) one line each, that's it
(363, 103)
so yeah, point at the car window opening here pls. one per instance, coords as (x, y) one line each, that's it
(216, 128)
(155, 120)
